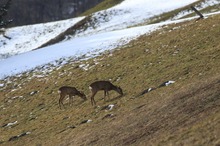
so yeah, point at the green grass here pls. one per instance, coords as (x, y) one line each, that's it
(184, 113)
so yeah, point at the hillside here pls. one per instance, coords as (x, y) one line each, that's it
(27, 38)
(186, 112)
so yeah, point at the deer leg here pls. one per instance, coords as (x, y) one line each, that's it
(105, 92)
(61, 101)
(92, 98)
(71, 100)
(108, 95)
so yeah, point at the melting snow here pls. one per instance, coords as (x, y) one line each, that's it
(10, 124)
(169, 82)
(110, 107)
(112, 29)
(27, 38)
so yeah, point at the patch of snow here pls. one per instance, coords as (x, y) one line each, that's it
(10, 124)
(18, 136)
(33, 92)
(88, 121)
(110, 107)
(15, 97)
(149, 89)
(84, 66)
(169, 82)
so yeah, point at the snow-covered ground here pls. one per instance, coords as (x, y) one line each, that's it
(107, 34)
(27, 38)
(130, 13)
(202, 5)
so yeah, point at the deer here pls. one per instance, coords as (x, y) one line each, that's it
(71, 92)
(103, 85)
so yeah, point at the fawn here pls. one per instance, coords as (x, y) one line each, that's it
(71, 92)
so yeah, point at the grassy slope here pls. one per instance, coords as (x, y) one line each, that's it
(184, 113)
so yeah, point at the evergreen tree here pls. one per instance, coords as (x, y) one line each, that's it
(3, 12)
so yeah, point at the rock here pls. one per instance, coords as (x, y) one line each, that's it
(72, 126)
(33, 92)
(64, 118)
(23, 134)
(10, 124)
(86, 121)
(18, 136)
(167, 83)
(145, 91)
(108, 116)
(108, 107)
(13, 138)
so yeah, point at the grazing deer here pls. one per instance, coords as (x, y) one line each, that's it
(103, 85)
(71, 92)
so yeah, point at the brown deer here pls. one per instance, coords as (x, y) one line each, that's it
(71, 92)
(103, 85)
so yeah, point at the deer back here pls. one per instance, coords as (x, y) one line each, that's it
(68, 90)
(71, 91)
(102, 85)
(105, 85)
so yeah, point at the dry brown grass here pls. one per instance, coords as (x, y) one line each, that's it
(184, 113)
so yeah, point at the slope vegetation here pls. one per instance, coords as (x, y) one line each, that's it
(184, 113)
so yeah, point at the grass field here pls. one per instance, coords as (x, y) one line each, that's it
(184, 113)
